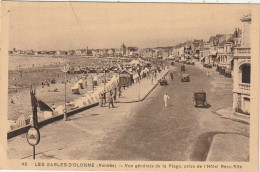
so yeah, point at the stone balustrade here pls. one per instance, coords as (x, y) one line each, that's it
(242, 51)
(244, 86)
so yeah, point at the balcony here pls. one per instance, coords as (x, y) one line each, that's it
(244, 88)
(242, 51)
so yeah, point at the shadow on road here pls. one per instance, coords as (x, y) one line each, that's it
(202, 145)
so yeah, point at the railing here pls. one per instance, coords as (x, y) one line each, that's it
(244, 86)
(242, 51)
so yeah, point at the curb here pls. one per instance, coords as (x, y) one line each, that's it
(236, 119)
(135, 101)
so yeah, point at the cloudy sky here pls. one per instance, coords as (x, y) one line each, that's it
(64, 25)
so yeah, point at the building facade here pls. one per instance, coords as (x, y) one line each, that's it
(242, 70)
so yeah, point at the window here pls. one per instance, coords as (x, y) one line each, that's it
(246, 73)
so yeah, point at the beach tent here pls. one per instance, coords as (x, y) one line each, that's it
(22, 121)
(95, 79)
(75, 89)
(79, 103)
(47, 114)
(146, 70)
(60, 110)
(80, 82)
(134, 62)
(171, 57)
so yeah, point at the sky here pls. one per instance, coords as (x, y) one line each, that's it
(73, 25)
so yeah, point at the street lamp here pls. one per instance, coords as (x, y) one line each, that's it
(65, 69)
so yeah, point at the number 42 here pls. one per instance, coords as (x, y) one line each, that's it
(24, 163)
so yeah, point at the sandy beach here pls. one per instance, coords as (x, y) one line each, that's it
(47, 68)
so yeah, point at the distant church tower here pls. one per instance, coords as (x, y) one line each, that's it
(123, 49)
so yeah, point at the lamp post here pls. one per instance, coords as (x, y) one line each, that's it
(65, 69)
(105, 80)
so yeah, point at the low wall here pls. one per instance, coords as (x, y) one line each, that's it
(24, 129)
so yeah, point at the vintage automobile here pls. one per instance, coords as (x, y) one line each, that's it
(199, 99)
(228, 73)
(205, 65)
(185, 78)
(222, 70)
(163, 81)
(209, 66)
(188, 63)
(192, 63)
(172, 63)
(182, 68)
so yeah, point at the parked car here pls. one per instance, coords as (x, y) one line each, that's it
(172, 63)
(163, 81)
(192, 63)
(209, 66)
(228, 73)
(199, 99)
(221, 71)
(185, 78)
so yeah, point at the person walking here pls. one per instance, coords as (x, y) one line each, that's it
(166, 98)
(172, 75)
(115, 94)
(104, 99)
(101, 100)
(42, 84)
(119, 92)
(110, 100)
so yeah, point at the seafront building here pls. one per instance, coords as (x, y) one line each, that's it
(242, 68)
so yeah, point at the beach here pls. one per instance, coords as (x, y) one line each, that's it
(21, 79)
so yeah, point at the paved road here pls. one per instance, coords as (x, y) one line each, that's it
(159, 133)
